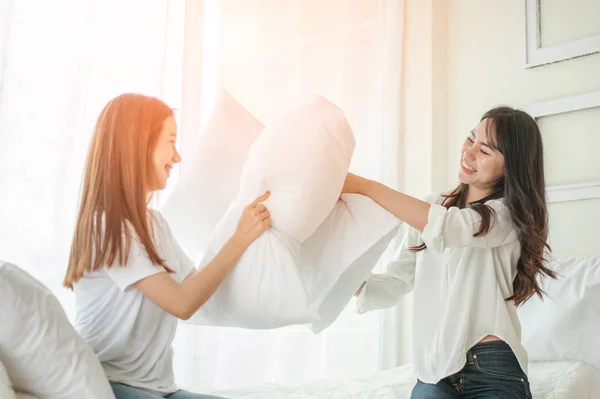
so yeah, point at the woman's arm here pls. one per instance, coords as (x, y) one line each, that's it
(411, 210)
(183, 300)
(441, 228)
(384, 290)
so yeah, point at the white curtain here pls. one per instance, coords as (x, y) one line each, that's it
(62, 60)
(269, 54)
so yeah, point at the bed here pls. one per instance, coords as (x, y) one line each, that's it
(549, 380)
(559, 333)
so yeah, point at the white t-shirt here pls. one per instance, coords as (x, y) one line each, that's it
(131, 335)
(460, 284)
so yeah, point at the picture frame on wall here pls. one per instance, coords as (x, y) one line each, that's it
(538, 55)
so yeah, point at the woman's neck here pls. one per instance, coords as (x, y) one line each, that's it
(475, 193)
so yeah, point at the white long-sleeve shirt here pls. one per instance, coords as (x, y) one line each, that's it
(460, 283)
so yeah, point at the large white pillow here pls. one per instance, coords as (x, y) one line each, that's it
(565, 325)
(303, 161)
(42, 352)
(339, 256)
(6, 391)
(210, 178)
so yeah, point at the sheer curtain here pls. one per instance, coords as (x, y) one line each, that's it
(61, 61)
(269, 54)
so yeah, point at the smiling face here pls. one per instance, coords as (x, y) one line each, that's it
(164, 156)
(481, 164)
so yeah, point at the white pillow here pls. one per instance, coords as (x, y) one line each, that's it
(6, 391)
(565, 325)
(210, 179)
(339, 256)
(303, 161)
(42, 352)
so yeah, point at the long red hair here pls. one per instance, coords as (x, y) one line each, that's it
(114, 197)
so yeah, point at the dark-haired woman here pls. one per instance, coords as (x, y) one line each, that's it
(471, 257)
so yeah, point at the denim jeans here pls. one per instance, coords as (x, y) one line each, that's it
(123, 391)
(491, 372)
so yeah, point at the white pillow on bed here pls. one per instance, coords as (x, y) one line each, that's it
(210, 178)
(303, 161)
(42, 352)
(6, 391)
(565, 325)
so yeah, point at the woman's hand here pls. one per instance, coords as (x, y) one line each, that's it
(406, 208)
(183, 300)
(254, 221)
(355, 184)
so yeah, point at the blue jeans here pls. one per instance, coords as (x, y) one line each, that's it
(491, 372)
(123, 391)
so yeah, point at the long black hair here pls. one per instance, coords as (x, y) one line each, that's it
(516, 135)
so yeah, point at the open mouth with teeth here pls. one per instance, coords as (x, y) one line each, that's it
(466, 168)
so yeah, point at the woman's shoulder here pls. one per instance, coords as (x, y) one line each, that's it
(160, 225)
(439, 198)
(497, 204)
(156, 216)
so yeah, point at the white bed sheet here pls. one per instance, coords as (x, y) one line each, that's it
(564, 380)
(548, 380)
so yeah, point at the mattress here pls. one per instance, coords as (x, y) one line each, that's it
(548, 380)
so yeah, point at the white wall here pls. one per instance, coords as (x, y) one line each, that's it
(486, 67)
(422, 155)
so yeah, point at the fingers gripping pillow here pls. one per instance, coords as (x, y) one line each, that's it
(303, 161)
(212, 179)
